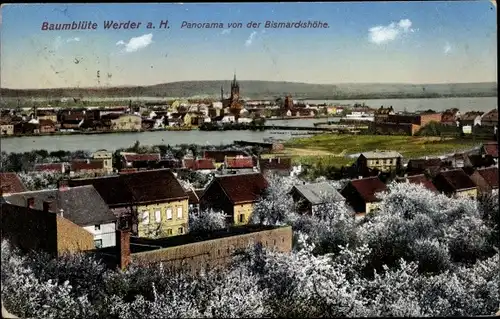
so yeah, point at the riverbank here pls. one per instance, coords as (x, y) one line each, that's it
(100, 132)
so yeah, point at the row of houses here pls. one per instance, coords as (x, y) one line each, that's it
(153, 203)
(386, 121)
(115, 119)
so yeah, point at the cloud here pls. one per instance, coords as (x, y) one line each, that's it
(250, 39)
(383, 34)
(447, 48)
(226, 31)
(137, 43)
(75, 39)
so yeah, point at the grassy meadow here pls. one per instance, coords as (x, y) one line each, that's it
(332, 150)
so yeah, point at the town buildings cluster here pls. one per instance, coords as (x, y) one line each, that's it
(185, 114)
(138, 209)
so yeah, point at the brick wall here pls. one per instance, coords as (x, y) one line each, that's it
(427, 118)
(216, 252)
(71, 237)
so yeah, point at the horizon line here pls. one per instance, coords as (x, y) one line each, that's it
(290, 82)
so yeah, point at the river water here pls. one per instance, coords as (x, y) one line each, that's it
(115, 141)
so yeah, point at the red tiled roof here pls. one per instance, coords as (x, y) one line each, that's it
(220, 156)
(153, 186)
(490, 175)
(49, 167)
(239, 162)
(453, 180)
(242, 188)
(198, 164)
(283, 163)
(11, 183)
(491, 149)
(141, 157)
(368, 187)
(87, 165)
(421, 179)
(204, 163)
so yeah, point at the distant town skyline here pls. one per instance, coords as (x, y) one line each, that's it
(378, 42)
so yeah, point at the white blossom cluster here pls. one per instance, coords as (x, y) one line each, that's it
(40, 180)
(206, 221)
(420, 254)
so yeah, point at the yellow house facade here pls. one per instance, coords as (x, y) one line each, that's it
(127, 122)
(370, 207)
(382, 160)
(6, 129)
(467, 193)
(52, 117)
(163, 219)
(242, 213)
(107, 158)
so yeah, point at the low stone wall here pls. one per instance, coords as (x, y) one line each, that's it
(216, 252)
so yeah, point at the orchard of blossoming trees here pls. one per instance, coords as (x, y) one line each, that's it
(420, 254)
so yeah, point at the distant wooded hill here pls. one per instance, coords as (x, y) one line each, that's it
(265, 90)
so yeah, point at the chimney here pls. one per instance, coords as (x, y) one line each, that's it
(48, 206)
(30, 202)
(63, 185)
(123, 248)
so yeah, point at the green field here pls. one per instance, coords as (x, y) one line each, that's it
(331, 150)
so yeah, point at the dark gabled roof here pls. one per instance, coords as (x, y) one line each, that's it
(193, 197)
(81, 205)
(79, 165)
(490, 175)
(454, 180)
(111, 188)
(368, 187)
(421, 180)
(11, 183)
(242, 188)
(481, 160)
(319, 193)
(136, 187)
(424, 163)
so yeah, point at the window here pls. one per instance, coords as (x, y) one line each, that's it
(158, 216)
(169, 213)
(179, 212)
(242, 218)
(376, 162)
(181, 230)
(98, 243)
(145, 218)
(97, 227)
(169, 231)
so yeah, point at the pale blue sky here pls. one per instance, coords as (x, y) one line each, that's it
(391, 42)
